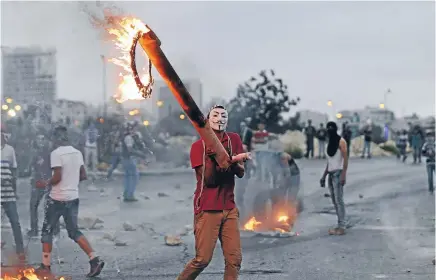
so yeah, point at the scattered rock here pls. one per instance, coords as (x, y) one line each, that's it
(128, 226)
(162, 194)
(326, 195)
(177, 186)
(360, 195)
(89, 223)
(408, 270)
(172, 240)
(120, 243)
(109, 236)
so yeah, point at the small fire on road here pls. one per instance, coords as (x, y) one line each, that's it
(281, 224)
(26, 274)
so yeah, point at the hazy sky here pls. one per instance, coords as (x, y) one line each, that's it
(349, 52)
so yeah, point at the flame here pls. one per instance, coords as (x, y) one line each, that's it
(122, 31)
(251, 224)
(28, 273)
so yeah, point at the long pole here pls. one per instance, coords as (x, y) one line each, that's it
(104, 86)
(151, 45)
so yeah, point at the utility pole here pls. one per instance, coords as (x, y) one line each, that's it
(103, 58)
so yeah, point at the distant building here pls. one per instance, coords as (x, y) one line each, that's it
(69, 112)
(29, 75)
(164, 102)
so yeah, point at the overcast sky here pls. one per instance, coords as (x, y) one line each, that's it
(349, 52)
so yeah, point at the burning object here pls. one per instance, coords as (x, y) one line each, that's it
(127, 32)
(27, 274)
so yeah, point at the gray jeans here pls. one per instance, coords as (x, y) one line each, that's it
(53, 210)
(11, 212)
(321, 148)
(36, 196)
(430, 174)
(337, 195)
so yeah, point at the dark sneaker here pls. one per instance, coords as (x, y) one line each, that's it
(32, 233)
(43, 271)
(96, 266)
(133, 199)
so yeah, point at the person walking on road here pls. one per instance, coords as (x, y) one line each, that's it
(9, 193)
(91, 148)
(337, 165)
(428, 150)
(322, 137)
(402, 145)
(116, 152)
(130, 153)
(261, 145)
(310, 133)
(416, 142)
(41, 170)
(215, 213)
(63, 200)
(367, 138)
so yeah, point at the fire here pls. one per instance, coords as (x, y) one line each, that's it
(281, 224)
(28, 274)
(123, 31)
(252, 224)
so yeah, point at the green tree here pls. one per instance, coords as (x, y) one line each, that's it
(262, 99)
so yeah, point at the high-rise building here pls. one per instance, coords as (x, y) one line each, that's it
(164, 102)
(29, 75)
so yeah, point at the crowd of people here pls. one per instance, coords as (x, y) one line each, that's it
(58, 167)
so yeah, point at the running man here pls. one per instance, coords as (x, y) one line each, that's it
(63, 200)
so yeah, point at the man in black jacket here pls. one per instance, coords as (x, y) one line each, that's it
(346, 134)
(322, 137)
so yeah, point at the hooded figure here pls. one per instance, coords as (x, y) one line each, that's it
(334, 138)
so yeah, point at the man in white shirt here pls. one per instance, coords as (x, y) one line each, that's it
(63, 200)
(91, 152)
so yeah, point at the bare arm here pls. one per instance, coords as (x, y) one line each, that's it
(83, 175)
(324, 175)
(57, 176)
(343, 149)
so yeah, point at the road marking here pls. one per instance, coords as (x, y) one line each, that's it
(389, 228)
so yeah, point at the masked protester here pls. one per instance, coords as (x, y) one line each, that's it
(215, 213)
(337, 165)
(41, 170)
(63, 200)
(428, 150)
(9, 192)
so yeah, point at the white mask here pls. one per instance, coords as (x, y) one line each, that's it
(218, 118)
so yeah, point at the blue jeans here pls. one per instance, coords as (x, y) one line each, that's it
(430, 174)
(55, 209)
(337, 195)
(36, 196)
(115, 160)
(366, 148)
(11, 212)
(131, 177)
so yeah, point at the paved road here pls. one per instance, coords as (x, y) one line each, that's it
(390, 213)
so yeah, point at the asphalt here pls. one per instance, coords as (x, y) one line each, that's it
(391, 233)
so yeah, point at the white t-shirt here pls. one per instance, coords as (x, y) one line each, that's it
(88, 143)
(8, 161)
(70, 160)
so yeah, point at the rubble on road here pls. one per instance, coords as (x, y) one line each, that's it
(173, 240)
(162, 194)
(88, 223)
(128, 226)
(120, 243)
(109, 236)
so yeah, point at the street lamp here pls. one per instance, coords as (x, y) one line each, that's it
(11, 113)
(17, 107)
(146, 123)
(5, 107)
(339, 116)
(182, 117)
(159, 103)
(329, 103)
(381, 105)
(9, 100)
